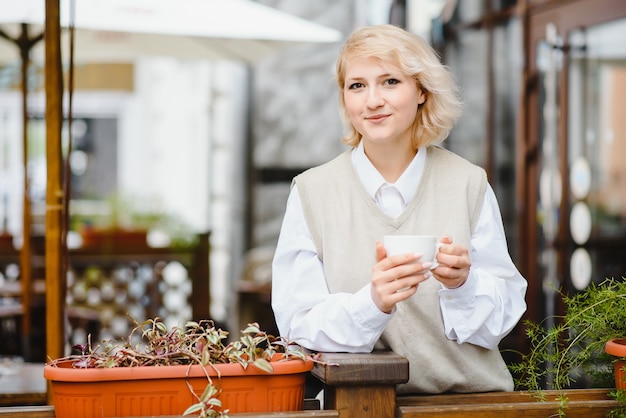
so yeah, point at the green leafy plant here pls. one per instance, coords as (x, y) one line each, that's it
(197, 343)
(573, 346)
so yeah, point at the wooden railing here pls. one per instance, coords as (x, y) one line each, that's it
(579, 403)
(363, 386)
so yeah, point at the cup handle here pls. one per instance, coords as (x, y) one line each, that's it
(435, 263)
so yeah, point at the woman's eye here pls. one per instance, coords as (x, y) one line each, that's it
(392, 81)
(355, 86)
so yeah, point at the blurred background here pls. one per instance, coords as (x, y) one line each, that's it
(193, 156)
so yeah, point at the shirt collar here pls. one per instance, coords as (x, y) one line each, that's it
(372, 180)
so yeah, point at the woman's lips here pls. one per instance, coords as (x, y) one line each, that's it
(376, 118)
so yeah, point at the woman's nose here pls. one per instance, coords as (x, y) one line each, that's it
(374, 98)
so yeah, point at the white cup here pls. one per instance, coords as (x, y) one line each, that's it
(416, 244)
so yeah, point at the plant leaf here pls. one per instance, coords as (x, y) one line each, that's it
(161, 327)
(264, 365)
(215, 402)
(252, 329)
(209, 392)
(193, 408)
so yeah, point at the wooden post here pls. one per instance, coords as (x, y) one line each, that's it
(26, 251)
(201, 289)
(361, 385)
(55, 279)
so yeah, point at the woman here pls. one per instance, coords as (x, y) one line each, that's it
(334, 288)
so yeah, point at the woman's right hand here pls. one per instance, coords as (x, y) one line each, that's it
(396, 278)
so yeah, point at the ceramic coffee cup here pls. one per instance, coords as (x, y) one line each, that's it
(416, 244)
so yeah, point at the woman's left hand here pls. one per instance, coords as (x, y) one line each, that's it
(454, 264)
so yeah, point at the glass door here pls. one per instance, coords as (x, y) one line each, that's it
(572, 150)
(596, 106)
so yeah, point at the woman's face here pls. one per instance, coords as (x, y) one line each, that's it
(381, 102)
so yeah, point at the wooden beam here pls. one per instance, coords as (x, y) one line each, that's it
(55, 279)
(26, 250)
(27, 412)
(48, 412)
(583, 403)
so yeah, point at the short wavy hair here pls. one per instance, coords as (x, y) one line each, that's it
(415, 58)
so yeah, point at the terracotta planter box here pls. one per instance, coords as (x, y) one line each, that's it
(114, 240)
(617, 347)
(163, 390)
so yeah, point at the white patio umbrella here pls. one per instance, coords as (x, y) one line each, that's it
(121, 30)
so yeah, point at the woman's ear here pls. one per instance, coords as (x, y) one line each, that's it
(422, 95)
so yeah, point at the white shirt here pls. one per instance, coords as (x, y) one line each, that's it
(480, 312)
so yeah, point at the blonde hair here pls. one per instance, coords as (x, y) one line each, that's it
(415, 58)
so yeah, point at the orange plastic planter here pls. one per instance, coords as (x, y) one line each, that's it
(163, 390)
(617, 347)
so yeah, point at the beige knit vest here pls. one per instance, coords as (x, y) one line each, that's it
(345, 223)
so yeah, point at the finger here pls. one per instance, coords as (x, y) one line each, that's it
(456, 279)
(447, 259)
(443, 273)
(425, 267)
(381, 252)
(390, 300)
(445, 246)
(407, 284)
(409, 273)
(413, 274)
(446, 273)
(446, 239)
(399, 260)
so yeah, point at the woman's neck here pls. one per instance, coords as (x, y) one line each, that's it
(389, 161)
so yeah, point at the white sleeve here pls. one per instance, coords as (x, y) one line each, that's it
(305, 311)
(491, 302)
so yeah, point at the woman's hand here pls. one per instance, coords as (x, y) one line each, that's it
(395, 278)
(454, 264)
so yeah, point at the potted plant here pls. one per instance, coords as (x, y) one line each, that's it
(190, 370)
(128, 221)
(579, 345)
(617, 348)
